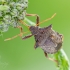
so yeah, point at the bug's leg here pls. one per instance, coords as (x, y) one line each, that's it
(11, 38)
(47, 19)
(36, 45)
(37, 18)
(21, 33)
(21, 21)
(50, 58)
(25, 37)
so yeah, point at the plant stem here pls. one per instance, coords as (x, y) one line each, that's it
(62, 60)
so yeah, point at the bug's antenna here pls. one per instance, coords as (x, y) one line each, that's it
(48, 19)
(23, 23)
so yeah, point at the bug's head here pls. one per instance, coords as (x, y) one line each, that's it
(33, 30)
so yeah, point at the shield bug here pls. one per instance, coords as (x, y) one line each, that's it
(46, 38)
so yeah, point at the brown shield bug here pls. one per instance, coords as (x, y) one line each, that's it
(46, 38)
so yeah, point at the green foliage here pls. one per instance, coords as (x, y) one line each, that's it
(10, 12)
(63, 62)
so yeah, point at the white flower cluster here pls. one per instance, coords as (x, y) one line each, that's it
(10, 12)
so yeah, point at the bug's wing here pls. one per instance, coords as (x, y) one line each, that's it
(50, 47)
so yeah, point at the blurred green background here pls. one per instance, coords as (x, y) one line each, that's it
(18, 54)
